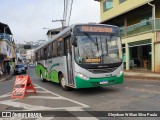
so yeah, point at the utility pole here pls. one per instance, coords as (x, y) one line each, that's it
(62, 22)
(50, 35)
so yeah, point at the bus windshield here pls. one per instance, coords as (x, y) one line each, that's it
(98, 49)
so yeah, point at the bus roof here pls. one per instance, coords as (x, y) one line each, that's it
(66, 30)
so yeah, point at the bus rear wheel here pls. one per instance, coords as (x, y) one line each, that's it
(41, 76)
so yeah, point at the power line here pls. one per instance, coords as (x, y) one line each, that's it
(70, 12)
(64, 9)
(66, 13)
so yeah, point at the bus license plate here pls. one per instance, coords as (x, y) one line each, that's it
(104, 82)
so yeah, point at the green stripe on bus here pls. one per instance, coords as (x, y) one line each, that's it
(95, 82)
(52, 76)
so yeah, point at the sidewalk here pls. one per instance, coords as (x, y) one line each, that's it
(3, 77)
(144, 75)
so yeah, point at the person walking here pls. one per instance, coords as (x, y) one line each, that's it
(8, 69)
(1, 72)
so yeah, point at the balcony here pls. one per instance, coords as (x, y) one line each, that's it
(5, 36)
(139, 28)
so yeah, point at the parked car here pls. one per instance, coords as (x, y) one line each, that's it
(19, 69)
(32, 65)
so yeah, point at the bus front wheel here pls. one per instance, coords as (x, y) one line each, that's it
(63, 84)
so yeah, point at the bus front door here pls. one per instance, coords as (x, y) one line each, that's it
(68, 49)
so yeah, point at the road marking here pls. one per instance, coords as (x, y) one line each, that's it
(45, 97)
(45, 118)
(82, 118)
(6, 95)
(15, 103)
(23, 105)
(41, 91)
(84, 105)
(126, 87)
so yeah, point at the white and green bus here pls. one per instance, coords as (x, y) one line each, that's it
(82, 56)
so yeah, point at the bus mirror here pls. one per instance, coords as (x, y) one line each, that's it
(74, 42)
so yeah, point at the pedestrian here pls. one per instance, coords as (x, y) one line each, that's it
(1, 73)
(8, 69)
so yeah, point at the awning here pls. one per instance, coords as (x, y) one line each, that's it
(140, 43)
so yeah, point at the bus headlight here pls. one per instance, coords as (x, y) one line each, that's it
(82, 76)
(120, 73)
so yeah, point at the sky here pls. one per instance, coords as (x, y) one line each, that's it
(27, 18)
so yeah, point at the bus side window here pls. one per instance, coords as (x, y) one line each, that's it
(54, 48)
(50, 50)
(67, 45)
(60, 48)
(36, 56)
(41, 54)
(45, 53)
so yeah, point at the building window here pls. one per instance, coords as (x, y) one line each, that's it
(108, 4)
(121, 1)
(60, 48)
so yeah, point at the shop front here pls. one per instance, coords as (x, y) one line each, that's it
(140, 55)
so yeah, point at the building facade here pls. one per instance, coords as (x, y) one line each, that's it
(7, 47)
(52, 32)
(30, 56)
(139, 23)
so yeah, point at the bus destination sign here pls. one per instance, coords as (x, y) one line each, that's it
(96, 29)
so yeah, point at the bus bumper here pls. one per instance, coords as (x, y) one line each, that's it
(97, 82)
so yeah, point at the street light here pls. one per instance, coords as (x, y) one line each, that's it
(49, 32)
(5, 31)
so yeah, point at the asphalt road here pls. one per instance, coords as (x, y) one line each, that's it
(133, 95)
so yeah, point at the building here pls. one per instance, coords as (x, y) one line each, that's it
(30, 56)
(52, 32)
(23, 51)
(7, 46)
(139, 23)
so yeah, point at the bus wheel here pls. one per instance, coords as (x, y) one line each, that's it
(41, 76)
(63, 84)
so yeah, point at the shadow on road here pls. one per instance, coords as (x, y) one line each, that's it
(86, 91)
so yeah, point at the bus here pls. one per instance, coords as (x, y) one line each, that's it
(82, 56)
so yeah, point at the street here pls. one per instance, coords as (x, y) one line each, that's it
(133, 95)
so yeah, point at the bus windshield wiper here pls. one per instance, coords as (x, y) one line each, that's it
(91, 39)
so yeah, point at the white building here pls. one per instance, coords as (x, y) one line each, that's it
(30, 56)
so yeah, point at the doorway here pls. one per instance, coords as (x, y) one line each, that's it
(140, 57)
(68, 50)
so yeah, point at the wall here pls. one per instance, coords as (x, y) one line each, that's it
(157, 57)
(3, 48)
(119, 9)
(157, 11)
(157, 53)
